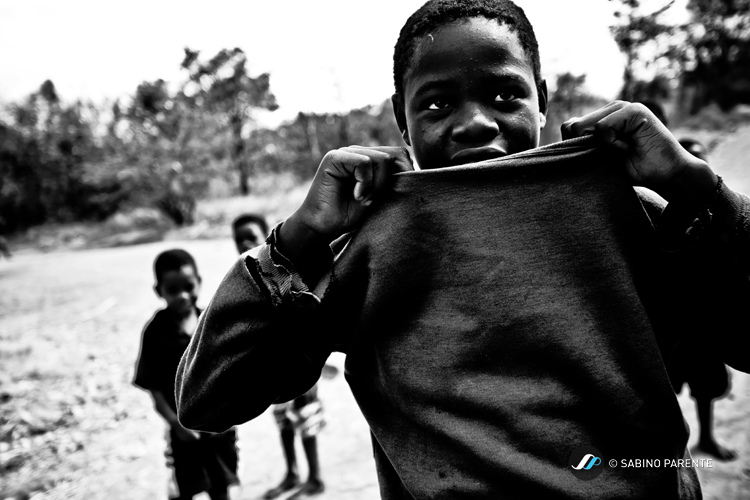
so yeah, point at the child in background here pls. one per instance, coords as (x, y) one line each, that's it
(705, 374)
(199, 461)
(689, 363)
(249, 231)
(303, 415)
(4, 247)
(480, 373)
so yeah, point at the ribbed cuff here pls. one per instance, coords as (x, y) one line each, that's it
(280, 278)
(731, 216)
(683, 226)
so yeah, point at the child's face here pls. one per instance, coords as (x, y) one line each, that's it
(180, 289)
(469, 95)
(248, 236)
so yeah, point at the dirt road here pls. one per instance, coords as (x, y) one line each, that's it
(73, 427)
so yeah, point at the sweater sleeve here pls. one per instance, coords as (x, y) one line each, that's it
(719, 264)
(259, 342)
(730, 226)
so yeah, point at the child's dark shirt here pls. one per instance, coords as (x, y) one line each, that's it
(162, 346)
(211, 461)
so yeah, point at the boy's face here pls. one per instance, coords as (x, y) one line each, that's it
(179, 289)
(248, 236)
(469, 95)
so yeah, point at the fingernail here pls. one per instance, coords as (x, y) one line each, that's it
(367, 203)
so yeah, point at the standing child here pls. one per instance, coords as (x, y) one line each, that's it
(706, 375)
(199, 461)
(4, 247)
(690, 364)
(303, 415)
(505, 323)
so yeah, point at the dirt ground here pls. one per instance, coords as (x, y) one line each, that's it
(71, 424)
(73, 427)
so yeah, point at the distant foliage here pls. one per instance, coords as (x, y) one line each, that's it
(719, 53)
(647, 43)
(166, 148)
(47, 164)
(569, 99)
(708, 57)
(300, 145)
(222, 87)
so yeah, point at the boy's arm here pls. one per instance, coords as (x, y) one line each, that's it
(346, 183)
(257, 343)
(700, 207)
(162, 408)
(721, 245)
(652, 156)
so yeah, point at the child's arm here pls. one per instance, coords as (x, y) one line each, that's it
(163, 409)
(345, 184)
(719, 217)
(653, 157)
(259, 341)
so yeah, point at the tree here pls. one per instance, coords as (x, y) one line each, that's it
(223, 86)
(719, 53)
(644, 40)
(709, 55)
(570, 98)
(167, 149)
(570, 95)
(47, 154)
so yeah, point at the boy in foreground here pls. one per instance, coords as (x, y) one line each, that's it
(200, 461)
(494, 316)
(304, 414)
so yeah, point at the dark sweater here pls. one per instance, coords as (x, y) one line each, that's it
(495, 318)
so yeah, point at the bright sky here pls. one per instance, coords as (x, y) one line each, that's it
(323, 55)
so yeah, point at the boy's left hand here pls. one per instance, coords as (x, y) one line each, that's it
(653, 157)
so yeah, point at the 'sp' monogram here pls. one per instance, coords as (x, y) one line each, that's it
(586, 463)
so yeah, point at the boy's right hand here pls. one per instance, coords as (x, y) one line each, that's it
(346, 183)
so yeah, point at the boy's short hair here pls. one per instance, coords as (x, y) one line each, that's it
(172, 260)
(250, 219)
(437, 13)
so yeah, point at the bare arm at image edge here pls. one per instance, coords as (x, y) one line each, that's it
(256, 344)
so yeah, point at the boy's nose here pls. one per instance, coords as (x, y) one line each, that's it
(475, 124)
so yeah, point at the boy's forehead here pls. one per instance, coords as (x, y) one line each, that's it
(248, 227)
(185, 272)
(465, 37)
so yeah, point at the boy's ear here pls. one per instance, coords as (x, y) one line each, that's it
(398, 110)
(543, 104)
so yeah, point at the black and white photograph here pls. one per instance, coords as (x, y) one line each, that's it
(397, 250)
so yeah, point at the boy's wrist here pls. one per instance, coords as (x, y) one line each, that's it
(695, 185)
(295, 233)
(307, 250)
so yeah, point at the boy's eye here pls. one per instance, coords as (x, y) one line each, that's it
(438, 104)
(505, 97)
